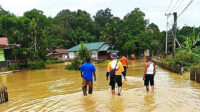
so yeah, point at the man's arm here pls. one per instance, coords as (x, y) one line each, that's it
(154, 72)
(81, 71)
(94, 74)
(145, 71)
(127, 63)
(81, 74)
(108, 71)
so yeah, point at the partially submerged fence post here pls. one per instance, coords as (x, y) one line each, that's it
(3, 94)
(195, 74)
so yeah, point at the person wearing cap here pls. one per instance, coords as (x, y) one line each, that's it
(114, 70)
(124, 61)
(149, 73)
(87, 73)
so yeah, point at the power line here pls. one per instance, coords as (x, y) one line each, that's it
(169, 5)
(180, 3)
(174, 5)
(185, 8)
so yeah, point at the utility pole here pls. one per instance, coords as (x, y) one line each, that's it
(167, 32)
(174, 30)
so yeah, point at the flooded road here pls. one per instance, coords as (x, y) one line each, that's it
(59, 90)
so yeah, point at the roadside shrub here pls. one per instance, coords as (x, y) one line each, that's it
(54, 61)
(80, 58)
(36, 65)
(75, 65)
(12, 67)
(185, 59)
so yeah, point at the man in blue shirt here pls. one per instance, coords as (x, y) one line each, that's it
(87, 73)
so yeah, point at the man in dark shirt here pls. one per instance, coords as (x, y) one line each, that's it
(87, 73)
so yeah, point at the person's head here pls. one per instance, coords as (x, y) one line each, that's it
(148, 58)
(114, 56)
(88, 59)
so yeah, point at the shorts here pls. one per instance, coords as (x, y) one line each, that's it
(149, 78)
(84, 86)
(116, 79)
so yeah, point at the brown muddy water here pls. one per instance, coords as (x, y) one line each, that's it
(59, 90)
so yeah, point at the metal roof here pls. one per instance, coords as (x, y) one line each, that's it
(105, 47)
(90, 46)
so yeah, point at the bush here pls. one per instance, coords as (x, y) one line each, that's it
(36, 65)
(54, 61)
(185, 59)
(75, 65)
(80, 58)
(12, 67)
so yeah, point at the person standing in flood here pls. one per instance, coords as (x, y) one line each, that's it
(124, 61)
(115, 69)
(87, 72)
(149, 73)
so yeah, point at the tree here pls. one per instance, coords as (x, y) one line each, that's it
(103, 17)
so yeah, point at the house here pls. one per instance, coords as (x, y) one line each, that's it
(99, 50)
(58, 54)
(6, 51)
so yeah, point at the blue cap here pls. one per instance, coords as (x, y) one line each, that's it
(114, 56)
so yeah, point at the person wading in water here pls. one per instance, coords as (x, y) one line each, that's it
(124, 61)
(149, 73)
(87, 73)
(115, 69)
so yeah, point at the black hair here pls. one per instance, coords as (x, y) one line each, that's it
(149, 58)
(88, 59)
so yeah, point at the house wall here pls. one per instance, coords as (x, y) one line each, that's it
(64, 56)
(2, 56)
(94, 54)
(71, 55)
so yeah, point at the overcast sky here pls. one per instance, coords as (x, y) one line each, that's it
(154, 9)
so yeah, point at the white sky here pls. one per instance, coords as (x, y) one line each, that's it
(154, 9)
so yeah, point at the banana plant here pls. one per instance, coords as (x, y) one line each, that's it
(191, 42)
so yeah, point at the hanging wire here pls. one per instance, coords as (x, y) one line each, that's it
(169, 6)
(174, 5)
(185, 8)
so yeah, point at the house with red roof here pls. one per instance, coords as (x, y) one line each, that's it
(5, 49)
(58, 54)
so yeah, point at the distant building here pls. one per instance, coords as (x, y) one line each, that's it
(6, 51)
(58, 54)
(99, 50)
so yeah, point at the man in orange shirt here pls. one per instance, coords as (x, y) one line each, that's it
(124, 61)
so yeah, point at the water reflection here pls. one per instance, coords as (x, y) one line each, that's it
(116, 104)
(89, 105)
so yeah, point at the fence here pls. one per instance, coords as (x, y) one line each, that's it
(3, 94)
(195, 74)
(176, 69)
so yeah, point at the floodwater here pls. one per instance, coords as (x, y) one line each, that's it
(59, 90)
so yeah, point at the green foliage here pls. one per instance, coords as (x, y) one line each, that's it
(13, 67)
(80, 58)
(185, 59)
(75, 64)
(83, 52)
(37, 65)
(191, 42)
(104, 62)
(54, 61)
(36, 32)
